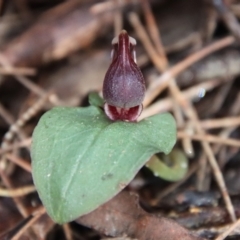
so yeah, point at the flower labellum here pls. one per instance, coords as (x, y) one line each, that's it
(124, 85)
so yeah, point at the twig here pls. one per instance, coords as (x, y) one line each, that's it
(27, 83)
(6, 115)
(229, 230)
(20, 162)
(154, 33)
(203, 171)
(161, 83)
(21, 208)
(228, 17)
(190, 93)
(133, 18)
(203, 174)
(23, 143)
(209, 138)
(192, 114)
(118, 18)
(18, 71)
(220, 97)
(23, 119)
(37, 214)
(10, 120)
(17, 192)
(23, 80)
(220, 123)
(67, 231)
(107, 6)
(15, 128)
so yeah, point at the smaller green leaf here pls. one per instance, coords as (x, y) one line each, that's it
(95, 100)
(171, 167)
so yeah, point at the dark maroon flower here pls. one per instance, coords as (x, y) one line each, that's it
(124, 85)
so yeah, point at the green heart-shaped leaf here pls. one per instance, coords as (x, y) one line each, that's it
(80, 159)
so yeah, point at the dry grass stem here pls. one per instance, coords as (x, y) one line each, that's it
(210, 138)
(203, 174)
(18, 192)
(107, 6)
(36, 215)
(220, 97)
(228, 17)
(18, 71)
(20, 162)
(192, 114)
(23, 80)
(8, 118)
(67, 231)
(118, 19)
(220, 123)
(15, 128)
(154, 33)
(20, 206)
(191, 93)
(34, 88)
(11, 147)
(133, 18)
(161, 83)
(229, 230)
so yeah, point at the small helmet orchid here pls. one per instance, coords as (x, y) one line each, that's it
(124, 85)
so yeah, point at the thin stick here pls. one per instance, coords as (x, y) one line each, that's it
(192, 114)
(166, 104)
(20, 162)
(8, 118)
(228, 17)
(133, 18)
(18, 71)
(16, 127)
(37, 214)
(23, 80)
(23, 119)
(203, 174)
(220, 123)
(17, 192)
(107, 6)
(162, 82)
(118, 19)
(23, 143)
(67, 231)
(21, 208)
(154, 33)
(27, 83)
(220, 97)
(210, 138)
(229, 230)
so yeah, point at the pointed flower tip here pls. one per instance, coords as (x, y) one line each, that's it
(123, 31)
(124, 85)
